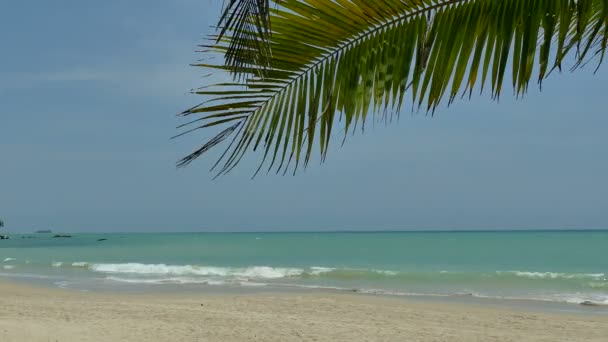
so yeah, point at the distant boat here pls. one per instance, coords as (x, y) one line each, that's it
(44, 231)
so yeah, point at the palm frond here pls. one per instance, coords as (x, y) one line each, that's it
(248, 23)
(344, 60)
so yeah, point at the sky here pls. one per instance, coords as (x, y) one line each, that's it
(88, 96)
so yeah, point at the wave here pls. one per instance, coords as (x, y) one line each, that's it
(540, 286)
(9, 259)
(554, 275)
(518, 284)
(167, 281)
(80, 264)
(570, 298)
(8, 267)
(269, 272)
(263, 272)
(254, 272)
(315, 270)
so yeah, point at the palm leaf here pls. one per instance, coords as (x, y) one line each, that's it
(345, 60)
(248, 21)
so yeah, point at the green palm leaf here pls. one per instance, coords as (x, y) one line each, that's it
(344, 60)
(248, 21)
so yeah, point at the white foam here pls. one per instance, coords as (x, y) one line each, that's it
(388, 273)
(262, 272)
(316, 270)
(555, 275)
(8, 267)
(167, 281)
(136, 268)
(573, 298)
(9, 259)
(266, 272)
(57, 264)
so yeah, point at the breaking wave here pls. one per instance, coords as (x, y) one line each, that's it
(579, 288)
(554, 275)
(253, 272)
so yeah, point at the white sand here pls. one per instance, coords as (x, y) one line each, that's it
(30, 314)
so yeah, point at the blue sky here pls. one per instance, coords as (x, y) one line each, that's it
(88, 93)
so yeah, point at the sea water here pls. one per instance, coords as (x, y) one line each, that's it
(551, 266)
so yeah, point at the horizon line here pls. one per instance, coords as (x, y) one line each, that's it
(333, 231)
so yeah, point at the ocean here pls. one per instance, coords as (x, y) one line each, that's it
(544, 266)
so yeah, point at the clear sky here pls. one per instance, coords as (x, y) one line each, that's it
(88, 93)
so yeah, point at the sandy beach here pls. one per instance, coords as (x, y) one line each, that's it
(42, 314)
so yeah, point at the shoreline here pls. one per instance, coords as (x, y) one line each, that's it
(36, 313)
(153, 289)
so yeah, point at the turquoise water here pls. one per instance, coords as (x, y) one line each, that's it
(570, 267)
